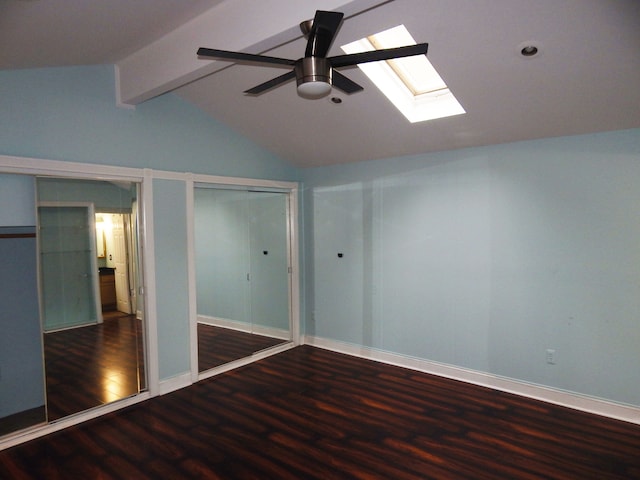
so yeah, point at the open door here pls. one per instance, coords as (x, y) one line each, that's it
(121, 263)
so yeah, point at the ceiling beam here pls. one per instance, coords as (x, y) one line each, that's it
(238, 25)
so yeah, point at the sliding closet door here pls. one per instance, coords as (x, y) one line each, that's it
(242, 272)
(269, 263)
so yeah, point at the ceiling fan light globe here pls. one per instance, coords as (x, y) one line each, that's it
(314, 89)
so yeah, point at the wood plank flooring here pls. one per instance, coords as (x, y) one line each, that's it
(313, 414)
(89, 366)
(217, 346)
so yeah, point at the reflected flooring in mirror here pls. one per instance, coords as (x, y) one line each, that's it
(89, 366)
(217, 345)
(20, 420)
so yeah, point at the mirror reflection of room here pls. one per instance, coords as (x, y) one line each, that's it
(73, 323)
(92, 319)
(242, 277)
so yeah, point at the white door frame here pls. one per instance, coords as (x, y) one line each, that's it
(143, 177)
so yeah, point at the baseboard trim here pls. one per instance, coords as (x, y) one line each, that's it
(245, 327)
(563, 398)
(175, 383)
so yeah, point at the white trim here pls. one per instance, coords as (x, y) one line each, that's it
(576, 401)
(119, 103)
(149, 280)
(244, 327)
(37, 166)
(191, 280)
(246, 360)
(45, 429)
(294, 277)
(175, 383)
(225, 323)
(167, 175)
(243, 182)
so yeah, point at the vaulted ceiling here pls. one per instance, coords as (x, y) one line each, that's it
(584, 79)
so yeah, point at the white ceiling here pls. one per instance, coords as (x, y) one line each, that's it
(584, 80)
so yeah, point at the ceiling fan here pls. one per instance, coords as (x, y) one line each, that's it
(315, 73)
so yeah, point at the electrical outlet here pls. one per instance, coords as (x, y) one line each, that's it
(551, 356)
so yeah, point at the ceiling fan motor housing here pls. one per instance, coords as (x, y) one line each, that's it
(313, 77)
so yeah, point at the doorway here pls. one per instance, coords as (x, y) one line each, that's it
(114, 246)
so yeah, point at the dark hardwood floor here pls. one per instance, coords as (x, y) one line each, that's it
(313, 414)
(89, 366)
(217, 346)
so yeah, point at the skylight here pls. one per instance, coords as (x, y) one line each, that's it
(411, 83)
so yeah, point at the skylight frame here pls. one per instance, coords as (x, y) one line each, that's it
(414, 103)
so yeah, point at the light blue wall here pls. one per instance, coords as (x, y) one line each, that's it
(19, 192)
(485, 258)
(170, 228)
(21, 367)
(70, 114)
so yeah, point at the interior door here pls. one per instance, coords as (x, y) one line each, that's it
(121, 264)
(68, 267)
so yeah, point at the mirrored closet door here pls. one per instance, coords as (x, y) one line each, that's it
(74, 336)
(93, 329)
(242, 259)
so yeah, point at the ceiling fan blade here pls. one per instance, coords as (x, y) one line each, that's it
(274, 82)
(343, 83)
(243, 57)
(323, 30)
(377, 55)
